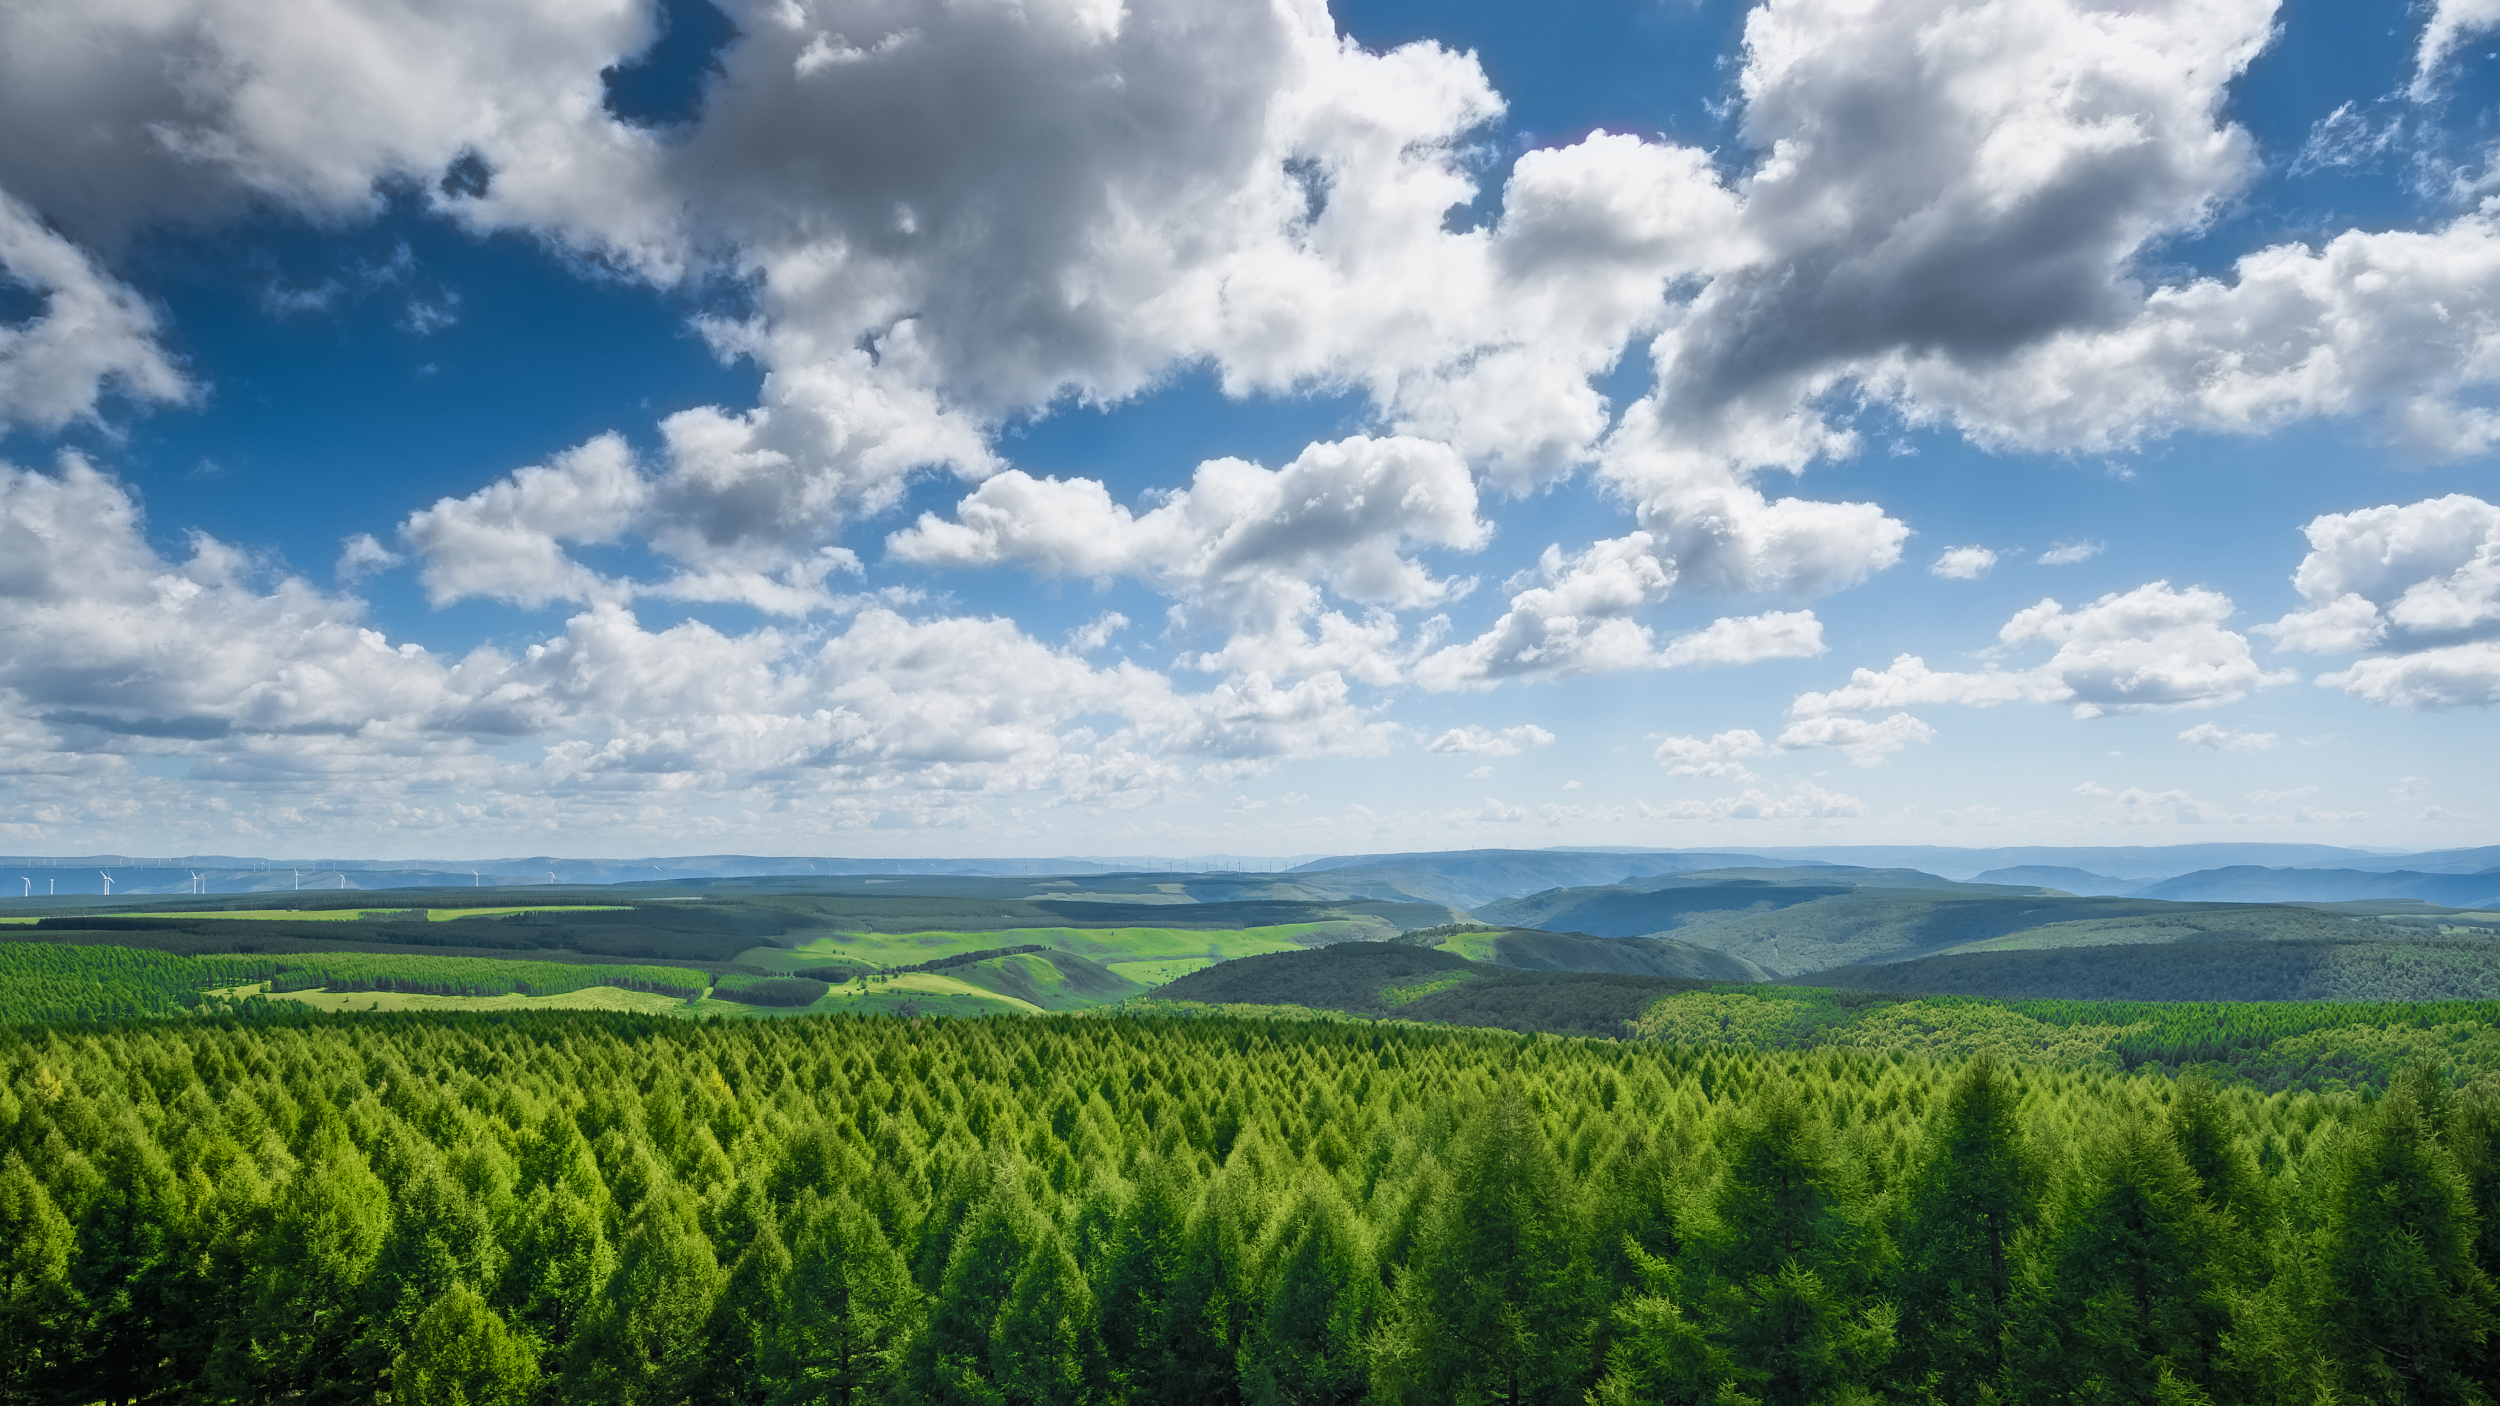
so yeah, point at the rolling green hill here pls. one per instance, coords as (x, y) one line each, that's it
(1053, 981)
(817, 929)
(1369, 978)
(1532, 949)
(2250, 883)
(2210, 970)
(1789, 926)
(1427, 984)
(1667, 902)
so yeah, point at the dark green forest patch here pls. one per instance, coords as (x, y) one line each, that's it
(2211, 969)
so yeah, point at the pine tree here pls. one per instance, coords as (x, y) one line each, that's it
(1137, 1282)
(309, 1306)
(744, 1318)
(460, 1353)
(1659, 1355)
(557, 1260)
(2130, 1302)
(2410, 1307)
(1306, 1345)
(1493, 1307)
(2200, 1124)
(439, 1236)
(643, 1341)
(949, 1363)
(1975, 1193)
(1207, 1314)
(125, 1275)
(1043, 1347)
(1791, 1260)
(36, 1304)
(845, 1311)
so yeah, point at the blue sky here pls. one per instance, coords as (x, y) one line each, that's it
(900, 428)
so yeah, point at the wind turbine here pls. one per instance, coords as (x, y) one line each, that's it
(195, 883)
(30, 888)
(108, 884)
(474, 881)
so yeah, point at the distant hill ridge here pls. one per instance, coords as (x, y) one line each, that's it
(1461, 880)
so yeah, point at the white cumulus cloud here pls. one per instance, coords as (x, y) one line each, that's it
(2419, 585)
(2214, 737)
(92, 336)
(2149, 649)
(1805, 801)
(1722, 754)
(1865, 743)
(1963, 563)
(1473, 741)
(508, 540)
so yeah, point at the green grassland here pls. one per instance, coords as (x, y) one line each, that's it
(768, 928)
(1114, 944)
(337, 915)
(1408, 994)
(1156, 971)
(588, 998)
(916, 993)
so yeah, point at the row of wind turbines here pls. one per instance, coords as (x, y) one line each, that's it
(198, 883)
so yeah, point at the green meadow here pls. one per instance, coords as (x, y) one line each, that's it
(1108, 945)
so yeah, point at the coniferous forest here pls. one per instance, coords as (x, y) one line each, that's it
(616, 1209)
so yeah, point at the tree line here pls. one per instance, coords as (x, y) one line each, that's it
(588, 1208)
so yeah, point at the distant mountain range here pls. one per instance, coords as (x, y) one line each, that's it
(1463, 880)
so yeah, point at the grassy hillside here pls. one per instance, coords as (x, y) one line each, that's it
(1103, 944)
(1428, 984)
(832, 934)
(588, 998)
(1050, 981)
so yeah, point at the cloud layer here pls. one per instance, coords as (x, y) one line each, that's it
(924, 223)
